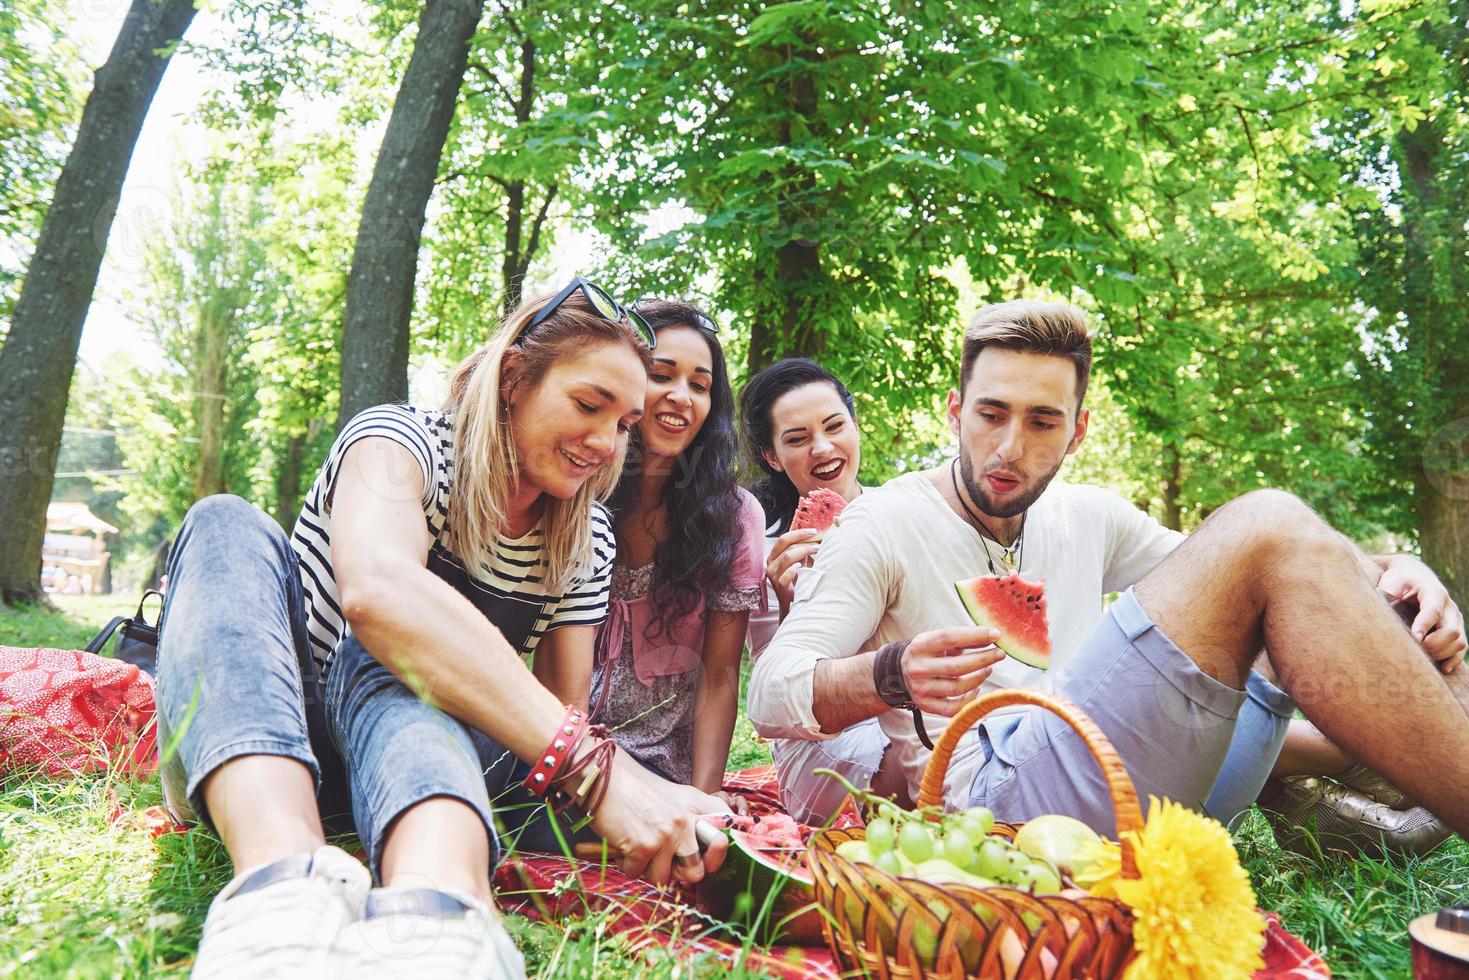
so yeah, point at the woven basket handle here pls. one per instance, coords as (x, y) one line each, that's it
(1119, 783)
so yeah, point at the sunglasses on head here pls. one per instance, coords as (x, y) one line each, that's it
(601, 303)
(700, 320)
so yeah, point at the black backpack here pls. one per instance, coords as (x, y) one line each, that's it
(137, 643)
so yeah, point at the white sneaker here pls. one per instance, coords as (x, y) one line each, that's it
(281, 920)
(425, 934)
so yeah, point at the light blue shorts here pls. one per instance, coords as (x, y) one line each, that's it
(1175, 728)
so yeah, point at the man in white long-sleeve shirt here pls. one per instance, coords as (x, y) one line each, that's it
(1164, 671)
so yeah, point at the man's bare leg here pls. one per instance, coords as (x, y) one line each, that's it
(1264, 570)
(1307, 752)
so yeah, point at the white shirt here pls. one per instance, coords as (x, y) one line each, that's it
(887, 573)
(764, 624)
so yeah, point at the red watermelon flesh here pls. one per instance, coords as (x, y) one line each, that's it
(818, 509)
(1017, 609)
(766, 863)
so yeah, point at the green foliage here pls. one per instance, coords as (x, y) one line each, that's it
(510, 168)
(39, 106)
(207, 289)
(1414, 275)
(846, 173)
(243, 301)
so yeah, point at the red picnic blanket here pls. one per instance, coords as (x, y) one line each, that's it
(68, 712)
(65, 712)
(555, 888)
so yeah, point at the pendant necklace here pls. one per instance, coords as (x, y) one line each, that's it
(1010, 557)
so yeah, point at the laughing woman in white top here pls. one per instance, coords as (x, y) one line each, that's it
(800, 429)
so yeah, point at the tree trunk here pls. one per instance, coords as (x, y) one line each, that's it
(288, 483)
(798, 288)
(518, 250)
(1173, 489)
(39, 355)
(385, 258)
(512, 269)
(1443, 527)
(1435, 284)
(211, 374)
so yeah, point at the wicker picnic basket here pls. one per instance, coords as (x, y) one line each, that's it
(886, 927)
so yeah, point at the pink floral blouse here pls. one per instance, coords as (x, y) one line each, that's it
(646, 676)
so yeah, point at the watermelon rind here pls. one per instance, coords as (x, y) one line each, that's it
(1011, 645)
(756, 891)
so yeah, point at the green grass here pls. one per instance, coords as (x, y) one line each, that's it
(1354, 911)
(70, 627)
(82, 897)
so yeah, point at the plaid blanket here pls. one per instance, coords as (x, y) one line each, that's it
(555, 888)
(545, 887)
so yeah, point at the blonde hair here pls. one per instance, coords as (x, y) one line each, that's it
(486, 464)
(1031, 327)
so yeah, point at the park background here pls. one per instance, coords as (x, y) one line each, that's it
(320, 207)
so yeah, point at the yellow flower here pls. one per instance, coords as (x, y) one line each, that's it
(1193, 907)
(1097, 866)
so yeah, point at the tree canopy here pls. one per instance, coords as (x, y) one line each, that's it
(1261, 204)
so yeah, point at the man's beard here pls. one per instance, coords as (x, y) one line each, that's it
(980, 494)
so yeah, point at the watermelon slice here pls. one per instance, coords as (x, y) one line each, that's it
(1016, 608)
(766, 863)
(818, 509)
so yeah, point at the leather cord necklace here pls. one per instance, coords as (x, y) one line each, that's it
(1015, 551)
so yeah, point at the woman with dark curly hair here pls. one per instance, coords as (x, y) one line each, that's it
(689, 563)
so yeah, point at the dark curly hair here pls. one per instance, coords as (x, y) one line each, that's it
(702, 505)
(775, 491)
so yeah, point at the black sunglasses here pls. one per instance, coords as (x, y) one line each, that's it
(702, 321)
(601, 303)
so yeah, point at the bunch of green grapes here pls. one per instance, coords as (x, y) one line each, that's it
(949, 848)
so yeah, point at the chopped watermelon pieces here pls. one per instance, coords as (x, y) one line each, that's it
(774, 840)
(818, 509)
(1017, 609)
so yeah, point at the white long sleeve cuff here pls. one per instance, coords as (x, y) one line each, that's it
(781, 695)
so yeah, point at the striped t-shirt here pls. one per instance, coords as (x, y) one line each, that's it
(511, 596)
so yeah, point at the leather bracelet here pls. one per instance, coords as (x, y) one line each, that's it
(548, 766)
(584, 782)
(892, 687)
(887, 675)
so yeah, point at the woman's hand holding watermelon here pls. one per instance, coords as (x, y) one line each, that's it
(648, 823)
(736, 803)
(943, 669)
(790, 552)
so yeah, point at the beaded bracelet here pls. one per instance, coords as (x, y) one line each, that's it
(562, 747)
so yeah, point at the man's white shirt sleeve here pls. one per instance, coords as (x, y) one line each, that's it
(1136, 543)
(836, 609)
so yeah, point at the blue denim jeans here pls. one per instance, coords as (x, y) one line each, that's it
(236, 678)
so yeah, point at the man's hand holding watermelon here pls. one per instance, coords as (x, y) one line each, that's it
(943, 669)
